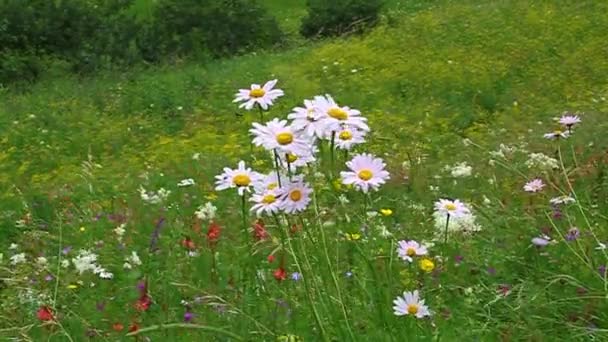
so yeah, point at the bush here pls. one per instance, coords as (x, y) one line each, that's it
(337, 17)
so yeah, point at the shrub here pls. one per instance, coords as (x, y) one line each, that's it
(337, 17)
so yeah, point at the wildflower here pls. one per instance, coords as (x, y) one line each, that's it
(292, 161)
(45, 314)
(186, 182)
(386, 212)
(569, 121)
(602, 270)
(277, 135)
(82, 229)
(427, 265)
(206, 212)
(541, 241)
(338, 117)
(280, 274)
(196, 156)
(601, 246)
(143, 303)
(295, 197)
(13, 246)
(410, 304)
(343, 199)
(262, 96)
(535, 185)
(353, 236)
(118, 327)
(465, 224)
(296, 276)
(573, 234)
(270, 258)
(151, 197)
(106, 275)
(556, 135)
(347, 137)
(213, 233)
(461, 170)
(41, 261)
(120, 231)
(367, 172)
(133, 327)
(562, 200)
(242, 178)
(348, 274)
(259, 231)
(187, 243)
(188, 316)
(18, 258)
(453, 208)
(408, 249)
(308, 119)
(542, 162)
(267, 202)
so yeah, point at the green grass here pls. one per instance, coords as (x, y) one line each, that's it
(432, 74)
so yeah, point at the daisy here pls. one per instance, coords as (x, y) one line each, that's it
(408, 249)
(242, 178)
(556, 135)
(569, 120)
(277, 135)
(308, 119)
(366, 172)
(541, 241)
(535, 185)
(347, 137)
(267, 202)
(296, 160)
(410, 304)
(453, 208)
(338, 116)
(270, 182)
(263, 96)
(295, 197)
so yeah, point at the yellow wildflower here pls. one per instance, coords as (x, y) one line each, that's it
(386, 212)
(426, 265)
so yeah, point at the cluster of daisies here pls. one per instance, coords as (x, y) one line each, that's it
(293, 145)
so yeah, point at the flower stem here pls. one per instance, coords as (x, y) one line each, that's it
(331, 151)
(276, 166)
(447, 223)
(261, 111)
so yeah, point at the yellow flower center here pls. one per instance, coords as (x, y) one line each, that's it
(241, 180)
(257, 93)
(365, 174)
(411, 251)
(450, 206)
(284, 138)
(273, 186)
(557, 132)
(269, 199)
(338, 113)
(291, 157)
(345, 135)
(412, 309)
(295, 195)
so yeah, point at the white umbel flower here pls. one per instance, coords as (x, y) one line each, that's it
(186, 182)
(410, 304)
(262, 96)
(308, 119)
(277, 135)
(18, 259)
(408, 249)
(367, 172)
(295, 196)
(337, 116)
(206, 212)
(465, 224)
(242, 178)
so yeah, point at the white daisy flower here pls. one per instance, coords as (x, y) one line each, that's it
(295, 196)
(410, 304)
(367, 172)
(408, 249)
(308, 119)
(535, 185)
(267, 202)
(263, 96)
(242, 178)
(338, 116)
(348, 137)
(556, 135)
(295, 161)
(270, 182)
(278, 135)
(453, 208)
(569, 120)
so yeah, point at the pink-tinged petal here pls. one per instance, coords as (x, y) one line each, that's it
(269, 85)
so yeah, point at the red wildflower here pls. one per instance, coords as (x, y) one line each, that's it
(188, 243)
(213, 233)
(294, 228)
(259, 231)
(280, 274)
(143, 303)
(133, 328)
(270, 258)
(117, 327)
(45, 314)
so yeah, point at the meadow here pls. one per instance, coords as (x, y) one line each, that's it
(113, 227)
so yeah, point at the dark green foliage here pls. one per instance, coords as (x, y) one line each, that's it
(337, 17)
(96, 34)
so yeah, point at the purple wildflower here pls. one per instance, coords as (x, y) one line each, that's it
(188, 316)
(66, 250)
(295, 276)
(573, 234)
(602, 270)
